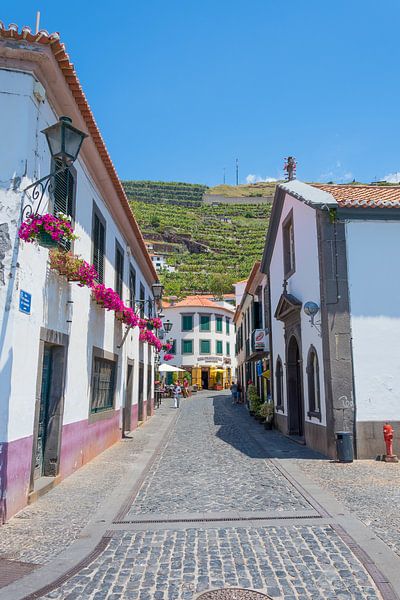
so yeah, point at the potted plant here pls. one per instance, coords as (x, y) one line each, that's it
(266, 411)
(47, 230)
(254, 399)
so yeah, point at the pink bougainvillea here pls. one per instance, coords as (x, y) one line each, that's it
(168, 356)
(107, 297)
(59, 228)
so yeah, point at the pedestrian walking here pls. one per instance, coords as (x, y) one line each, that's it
(185, 388)
(177, 394)
(239, 392)
(234, 392)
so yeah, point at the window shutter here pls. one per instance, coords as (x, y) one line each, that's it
(98, 247)
(63, 195)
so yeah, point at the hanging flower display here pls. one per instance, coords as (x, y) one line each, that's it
(167, 346)
(107, 298)
(73, 267)
(168, 357)
(48, 230)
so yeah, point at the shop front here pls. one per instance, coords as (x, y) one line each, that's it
(212, 373)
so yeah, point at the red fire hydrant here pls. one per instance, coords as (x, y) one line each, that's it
(388, 437)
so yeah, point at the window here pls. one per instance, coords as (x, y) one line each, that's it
(227, 325)
(279, 384)
(204, 322)
(187, 346)
(187, 322)
(103, 384)
(64, 193)
(119, 269)
(219, 347)
(228, 348)
(218, 324)
(132, 287)
(314, 403)
(142, 300)
(288, 245)
(205, 346)
(99, 240)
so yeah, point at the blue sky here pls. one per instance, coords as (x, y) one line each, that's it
(180, 88)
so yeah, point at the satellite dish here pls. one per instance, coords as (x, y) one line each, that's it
(311, 308)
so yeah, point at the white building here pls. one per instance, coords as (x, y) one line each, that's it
(160, 263)
(204, 340)
(69, 383)
(335, 362)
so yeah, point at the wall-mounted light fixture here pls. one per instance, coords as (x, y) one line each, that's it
(64, 142)
(311, 309)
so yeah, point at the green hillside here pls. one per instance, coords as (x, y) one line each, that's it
(210, 246)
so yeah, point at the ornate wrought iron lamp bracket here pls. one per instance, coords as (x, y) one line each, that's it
(36, 191)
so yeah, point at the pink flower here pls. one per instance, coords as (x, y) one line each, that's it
(168, 356)
(57, 226)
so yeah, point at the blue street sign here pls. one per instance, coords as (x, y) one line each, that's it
(259, 368)
(25, 301)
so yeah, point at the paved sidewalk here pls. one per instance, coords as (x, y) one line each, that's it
(221, 503)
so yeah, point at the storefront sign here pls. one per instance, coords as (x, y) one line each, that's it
(259, 368)
(25, 301)
(260, 340)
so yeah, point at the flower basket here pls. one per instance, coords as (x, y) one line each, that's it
(44, 239)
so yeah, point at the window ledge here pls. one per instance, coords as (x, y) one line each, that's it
(102, 415)
(314, 414)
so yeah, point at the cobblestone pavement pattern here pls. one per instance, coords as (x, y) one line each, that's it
(166, 562)
(210, 464)
(361, 486)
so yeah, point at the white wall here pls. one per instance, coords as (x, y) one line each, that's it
(174, 314)
(26, 155)
(304, 284)
(373, 248)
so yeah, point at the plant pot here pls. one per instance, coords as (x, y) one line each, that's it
(268, 425)
(73, 278)
(44, 239)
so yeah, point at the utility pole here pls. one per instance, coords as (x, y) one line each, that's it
(237, 171)
(224, 175)
(37, 21)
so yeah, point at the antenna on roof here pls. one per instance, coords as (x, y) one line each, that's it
(237, 171)
(37, 21)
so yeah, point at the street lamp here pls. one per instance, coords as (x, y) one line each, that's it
(167, 325)
(157, 290)
(64, 140)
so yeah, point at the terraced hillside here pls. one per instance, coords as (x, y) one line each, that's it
(187, 194)
(211, 246)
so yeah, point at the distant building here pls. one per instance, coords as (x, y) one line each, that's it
(160, 263)
(204, 340)
(331, 261)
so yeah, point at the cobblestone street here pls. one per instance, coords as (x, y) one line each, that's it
(215, 509)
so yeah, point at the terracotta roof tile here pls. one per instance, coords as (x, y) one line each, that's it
(71, 78)
(198, 301)
(363, 196)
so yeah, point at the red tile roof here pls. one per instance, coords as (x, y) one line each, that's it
(363, 196)
(67, 68)
(197, 301)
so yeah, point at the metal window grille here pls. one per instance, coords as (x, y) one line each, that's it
(103, 384)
